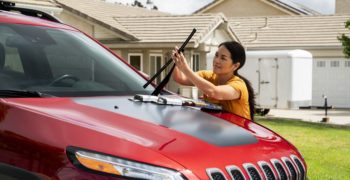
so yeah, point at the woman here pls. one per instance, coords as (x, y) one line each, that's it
(222, 85)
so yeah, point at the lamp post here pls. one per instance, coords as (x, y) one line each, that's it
(325, 118)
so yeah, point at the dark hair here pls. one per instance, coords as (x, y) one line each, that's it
(238, 56)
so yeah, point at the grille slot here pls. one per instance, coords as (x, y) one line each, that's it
(279, 168)
(292, 170)
(252, 171)
(266, 168)
(300, 166)
(215, 174)
(235, 172)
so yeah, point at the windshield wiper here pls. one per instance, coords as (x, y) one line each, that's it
(10, 93)
(162, 84)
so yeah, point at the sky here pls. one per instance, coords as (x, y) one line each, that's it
(189, 6)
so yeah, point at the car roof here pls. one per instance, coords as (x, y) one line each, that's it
(15, 18)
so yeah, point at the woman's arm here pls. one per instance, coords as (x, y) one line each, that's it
(186, 75)
(180, 77)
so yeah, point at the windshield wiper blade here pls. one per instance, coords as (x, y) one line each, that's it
(162, 84)
(10, 93)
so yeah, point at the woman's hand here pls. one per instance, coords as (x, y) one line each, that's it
(180, 61)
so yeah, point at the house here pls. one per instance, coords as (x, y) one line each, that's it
(244, 8)
(279, 25)
(315, 34)
(145, 38)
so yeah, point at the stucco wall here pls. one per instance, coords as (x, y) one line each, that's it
(76, 21)
(92, 29)
(342, 6)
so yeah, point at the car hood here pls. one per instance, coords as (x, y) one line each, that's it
(183, 134)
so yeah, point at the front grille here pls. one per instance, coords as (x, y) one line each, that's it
(300, 167)
(283, 168)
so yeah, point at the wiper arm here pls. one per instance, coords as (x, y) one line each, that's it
(162, 84)
(10, 93)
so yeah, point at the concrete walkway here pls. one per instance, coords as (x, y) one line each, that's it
(336, 116)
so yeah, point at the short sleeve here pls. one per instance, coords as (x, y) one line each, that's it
(205, 74)
(239, 85)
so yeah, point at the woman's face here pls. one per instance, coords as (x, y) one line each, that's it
(222, 63)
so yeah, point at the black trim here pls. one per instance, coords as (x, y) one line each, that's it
(11, 6)
(11, 172)
(183, 119)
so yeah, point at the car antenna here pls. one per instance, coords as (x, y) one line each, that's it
(162, 84)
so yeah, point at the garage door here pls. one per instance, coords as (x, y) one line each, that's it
(331, 77)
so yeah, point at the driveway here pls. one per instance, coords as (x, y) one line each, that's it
(336, 116)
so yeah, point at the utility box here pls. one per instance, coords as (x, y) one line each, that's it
(281, 78)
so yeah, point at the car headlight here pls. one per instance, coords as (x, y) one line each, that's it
(118, 166)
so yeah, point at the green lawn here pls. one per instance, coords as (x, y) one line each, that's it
(326, 148)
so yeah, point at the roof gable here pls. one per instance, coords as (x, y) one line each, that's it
(285, 6)
(145, 26)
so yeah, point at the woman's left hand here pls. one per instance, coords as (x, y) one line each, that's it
(180, 60)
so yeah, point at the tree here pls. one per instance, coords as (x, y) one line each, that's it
(138, 4)
(345, 40)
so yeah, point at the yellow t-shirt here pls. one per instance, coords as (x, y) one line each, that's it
(239, 106)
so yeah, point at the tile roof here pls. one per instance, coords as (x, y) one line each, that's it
(290, 31)
(171, 28)
(104, 13)
(143, 25)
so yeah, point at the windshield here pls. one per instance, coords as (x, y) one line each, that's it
(62, 63)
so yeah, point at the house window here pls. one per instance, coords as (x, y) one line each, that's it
(155, 64)
(334, 63)
(347, 63)
(321, 64)
(13, 60)
(195, 62)
(136, 60)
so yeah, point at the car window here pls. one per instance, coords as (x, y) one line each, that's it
(62, 63)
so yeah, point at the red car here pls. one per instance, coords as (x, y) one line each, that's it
(66, 112)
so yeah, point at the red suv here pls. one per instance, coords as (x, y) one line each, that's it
(67, 112)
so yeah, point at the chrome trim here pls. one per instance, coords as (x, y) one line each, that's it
(247, 165)
(214, 170)
(284, 160)
(293, 157)
(261, 163)
(233, 167)
(273, 161)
